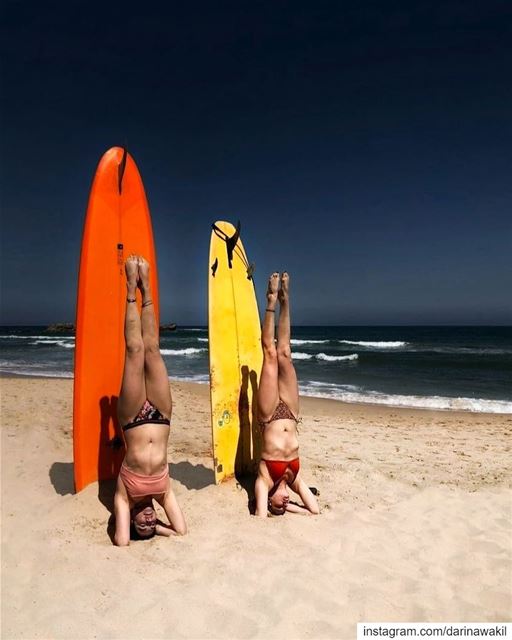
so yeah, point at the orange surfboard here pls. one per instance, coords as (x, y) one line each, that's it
(117, 224)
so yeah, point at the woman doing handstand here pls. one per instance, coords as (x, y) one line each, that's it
(144, 411)
(278, 407)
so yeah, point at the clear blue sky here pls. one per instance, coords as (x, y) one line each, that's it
(365, 146)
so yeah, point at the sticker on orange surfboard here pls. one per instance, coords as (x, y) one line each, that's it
(117, 224)
(235, 354)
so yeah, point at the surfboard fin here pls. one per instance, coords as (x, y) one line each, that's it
(214, 267)
(120, 170)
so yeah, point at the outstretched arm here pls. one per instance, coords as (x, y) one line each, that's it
(261, 493)
(310, 502)
(172, 509)
(122, 515)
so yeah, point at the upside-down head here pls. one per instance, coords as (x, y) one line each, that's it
(144, 520)
(279, 500)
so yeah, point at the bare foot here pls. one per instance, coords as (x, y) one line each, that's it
(273, 285)
(143, 274)
(131, 267)
(283, 290)
(144, 283)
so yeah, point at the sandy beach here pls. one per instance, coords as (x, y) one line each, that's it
(415, 526)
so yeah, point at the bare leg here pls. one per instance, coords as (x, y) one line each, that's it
(288, 385)
(158, 390)
(268, 393)
(133, 390)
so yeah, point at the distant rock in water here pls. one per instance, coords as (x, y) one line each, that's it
(168, 327)
(61, 327)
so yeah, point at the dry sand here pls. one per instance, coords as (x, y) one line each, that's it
(415, 526)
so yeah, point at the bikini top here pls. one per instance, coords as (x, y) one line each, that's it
(282, 412)
(148, 413)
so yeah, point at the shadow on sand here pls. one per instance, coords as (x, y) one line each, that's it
(61, 477)
(193, 476)
(248, 450)
(106, 491)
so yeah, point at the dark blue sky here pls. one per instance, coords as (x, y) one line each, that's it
(365, 146)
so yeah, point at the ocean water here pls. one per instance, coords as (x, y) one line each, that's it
(464, 368)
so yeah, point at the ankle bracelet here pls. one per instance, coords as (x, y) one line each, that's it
(270, 310)
(131, 299)
(147, 303)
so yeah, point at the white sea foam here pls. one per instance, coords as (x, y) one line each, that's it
(328, 387)
(32, 369)
(44, 338)
(199, 378)
(328, 358)
(378, 345)
(358, 395)
(43, 374)
(300, 342)
(189, 351)
(61, 343)
(202, 339)
(297, 355)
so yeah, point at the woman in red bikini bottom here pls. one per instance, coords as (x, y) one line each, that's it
(144, 411)
(278, 407)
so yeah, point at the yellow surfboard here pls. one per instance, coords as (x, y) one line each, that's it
(235, 354)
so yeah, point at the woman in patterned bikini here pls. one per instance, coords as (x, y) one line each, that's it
(278, 407)
(144, 411)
